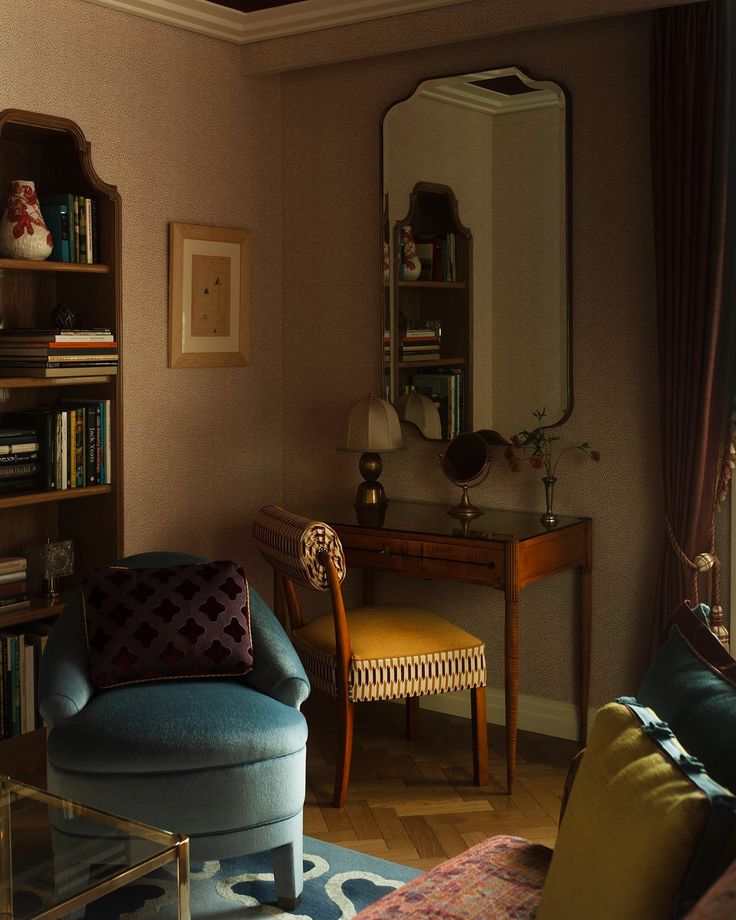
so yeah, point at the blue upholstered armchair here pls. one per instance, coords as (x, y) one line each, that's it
(221, 760)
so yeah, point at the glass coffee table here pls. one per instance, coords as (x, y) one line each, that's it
(57, 855)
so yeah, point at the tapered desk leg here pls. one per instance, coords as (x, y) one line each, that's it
(511, 648)
(586, 628)
(511, 688)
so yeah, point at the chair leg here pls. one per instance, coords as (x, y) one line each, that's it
(480, 735)
(412, 717)
(288, 873)
(345, 714)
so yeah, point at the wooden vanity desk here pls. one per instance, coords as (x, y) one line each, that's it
(507, 550)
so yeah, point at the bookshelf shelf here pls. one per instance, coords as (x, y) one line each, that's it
(58, 495)
(13, 383)
(27, 265)
(55, 154)
(41, 609)
(436, 285)
(433, 362)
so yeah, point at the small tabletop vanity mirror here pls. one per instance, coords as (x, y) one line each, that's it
(476, 299)
(465, 463)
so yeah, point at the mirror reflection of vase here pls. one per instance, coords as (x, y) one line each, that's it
(411, 267)
(23, 231)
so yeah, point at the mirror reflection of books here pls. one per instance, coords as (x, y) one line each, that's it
(445, 389)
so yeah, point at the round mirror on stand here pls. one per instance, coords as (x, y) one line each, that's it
(465, 463)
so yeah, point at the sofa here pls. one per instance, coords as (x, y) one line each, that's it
(648, 822)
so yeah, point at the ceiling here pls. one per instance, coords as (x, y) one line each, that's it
(248, 7)
(245, 21)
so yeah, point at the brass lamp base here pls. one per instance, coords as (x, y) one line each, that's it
(370, 492)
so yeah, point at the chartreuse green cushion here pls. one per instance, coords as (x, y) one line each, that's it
(691, 684)
(646, 831)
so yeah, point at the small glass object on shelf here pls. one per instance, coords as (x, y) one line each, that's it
(57, 561)
(48, 562)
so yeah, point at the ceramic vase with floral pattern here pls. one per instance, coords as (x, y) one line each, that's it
(23, 231)
(411, 267)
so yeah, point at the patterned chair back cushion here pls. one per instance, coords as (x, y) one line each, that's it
(293, 544)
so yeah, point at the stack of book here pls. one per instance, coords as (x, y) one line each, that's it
(20, 658)
(419, 344)
(446, 390)
(13, 583)
(19, 460)
(53, 353)
(72, 222)
(74, 442)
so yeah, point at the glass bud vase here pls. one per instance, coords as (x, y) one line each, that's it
(23, 231)
(549, 517)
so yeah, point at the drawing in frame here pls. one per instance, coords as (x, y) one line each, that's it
(209, 296)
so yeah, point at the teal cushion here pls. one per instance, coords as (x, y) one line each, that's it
(691, 684)
(168, 727)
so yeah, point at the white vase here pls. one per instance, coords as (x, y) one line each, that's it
(23, 231)
(411, 267)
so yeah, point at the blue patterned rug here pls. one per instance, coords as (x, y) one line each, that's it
(337, 884)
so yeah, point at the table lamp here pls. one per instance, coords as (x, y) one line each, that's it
(372, 425)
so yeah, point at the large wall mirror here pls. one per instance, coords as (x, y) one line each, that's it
(476, 305)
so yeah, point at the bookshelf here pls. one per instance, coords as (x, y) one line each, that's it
(433, 216)
(54, 153)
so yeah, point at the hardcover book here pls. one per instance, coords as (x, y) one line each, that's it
(67, 201)
(57, 220)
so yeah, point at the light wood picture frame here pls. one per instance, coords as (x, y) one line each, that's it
(209, 296)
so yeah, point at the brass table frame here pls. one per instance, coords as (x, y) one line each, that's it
(176, 849)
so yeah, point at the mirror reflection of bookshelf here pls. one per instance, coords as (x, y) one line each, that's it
(432, 315)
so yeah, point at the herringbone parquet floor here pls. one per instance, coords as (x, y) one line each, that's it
(414, 802)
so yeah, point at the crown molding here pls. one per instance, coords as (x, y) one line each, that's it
(243, 28)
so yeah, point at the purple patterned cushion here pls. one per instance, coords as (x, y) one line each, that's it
(174, 621)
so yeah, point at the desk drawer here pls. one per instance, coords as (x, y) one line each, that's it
(479, 563)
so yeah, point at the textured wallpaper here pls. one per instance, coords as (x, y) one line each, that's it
(185, 137)
(331, 298)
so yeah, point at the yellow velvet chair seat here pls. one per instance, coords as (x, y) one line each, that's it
(398, 651)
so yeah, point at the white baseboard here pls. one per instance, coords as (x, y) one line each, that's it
(536, 714)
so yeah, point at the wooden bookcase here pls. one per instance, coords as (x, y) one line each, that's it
(55, 155)
(433, 212)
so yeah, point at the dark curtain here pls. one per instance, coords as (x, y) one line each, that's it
(690, 125)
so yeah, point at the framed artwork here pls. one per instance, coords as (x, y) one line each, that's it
(209, 296)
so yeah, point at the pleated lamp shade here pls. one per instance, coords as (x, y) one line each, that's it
(422, 412)
(372, 425)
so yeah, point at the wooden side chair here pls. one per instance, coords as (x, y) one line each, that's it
(378, 652)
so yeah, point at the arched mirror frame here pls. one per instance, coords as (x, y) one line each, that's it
(387, 232)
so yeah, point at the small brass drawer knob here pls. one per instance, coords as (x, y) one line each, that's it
(385, 551)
